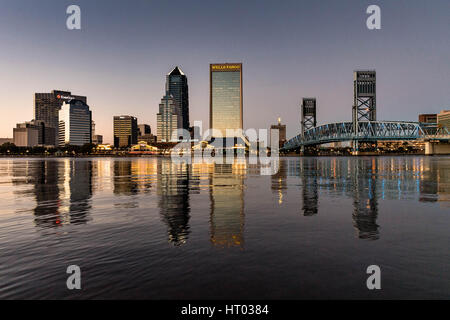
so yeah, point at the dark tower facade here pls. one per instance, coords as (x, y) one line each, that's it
(309, 115)
(177, 87)
(364, 89)
(125, 131)
(364, 100)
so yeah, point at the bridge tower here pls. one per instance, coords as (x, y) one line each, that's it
(308, 109)
(309, 119)
(364, 99)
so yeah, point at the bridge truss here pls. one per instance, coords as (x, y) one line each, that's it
(366, 131)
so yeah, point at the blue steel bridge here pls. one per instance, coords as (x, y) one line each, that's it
(367, 131)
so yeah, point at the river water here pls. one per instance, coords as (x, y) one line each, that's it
(149, 228)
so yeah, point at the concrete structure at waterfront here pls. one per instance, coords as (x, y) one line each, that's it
(75, 124)
(167, 120)
(125, 131)
(47, 106)
(226, 98)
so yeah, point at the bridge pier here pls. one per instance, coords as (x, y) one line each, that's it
(437, 148)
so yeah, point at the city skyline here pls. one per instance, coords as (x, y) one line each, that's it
(306, 58)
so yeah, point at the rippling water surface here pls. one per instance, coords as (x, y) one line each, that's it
(149, 228)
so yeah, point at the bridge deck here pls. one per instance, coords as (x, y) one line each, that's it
(368, 131)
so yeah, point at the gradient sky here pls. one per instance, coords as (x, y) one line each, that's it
(289, 49)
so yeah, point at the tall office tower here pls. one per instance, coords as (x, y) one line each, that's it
(125, 131)
(167, 119)
(47, 106)
(226, 108)
(309, 114)
(281, 133)
(364, 96)
(75, 123)
(177, 86)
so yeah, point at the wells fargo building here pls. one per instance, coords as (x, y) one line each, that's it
(225, 111)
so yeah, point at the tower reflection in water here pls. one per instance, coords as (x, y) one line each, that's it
(279, 181)
(365, 201)
(78, 173)
(354, 178)
(175, 181)
(62, 190)
(227, 204)
(310, 188)
(46, 179)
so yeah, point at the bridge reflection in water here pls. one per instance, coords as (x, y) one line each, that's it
(71, 191)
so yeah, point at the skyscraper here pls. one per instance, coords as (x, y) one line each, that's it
(226, 108)
(167, 120)
(125, 131)
(75, 123)
(47, 106)
(177, 87)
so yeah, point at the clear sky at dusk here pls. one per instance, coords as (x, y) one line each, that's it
(289, 49)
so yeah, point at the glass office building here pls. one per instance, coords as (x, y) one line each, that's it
(226, 97)
(75, 124)
(47, 106)
(167, 120)
(177, 87)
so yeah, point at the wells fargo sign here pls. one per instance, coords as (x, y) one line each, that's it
(225, 67)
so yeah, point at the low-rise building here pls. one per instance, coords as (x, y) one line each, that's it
(428, 118)
(26, 135)
(97, 139)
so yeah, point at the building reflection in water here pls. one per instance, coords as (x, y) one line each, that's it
(279, 181)
(46, 179)
(310, 190)
(62, 190)
(124, 182)
(227, 204)
(79, 176)
(365, 200)
(174, 183)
